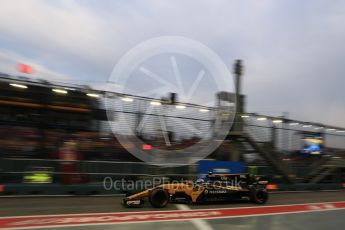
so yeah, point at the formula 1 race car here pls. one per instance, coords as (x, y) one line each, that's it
(216, 187)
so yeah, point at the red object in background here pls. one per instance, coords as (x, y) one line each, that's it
(67, 165)
(23, 68)
(271, 187)
(146, 147)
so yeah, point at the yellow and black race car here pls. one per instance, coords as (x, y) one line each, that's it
(216, 187)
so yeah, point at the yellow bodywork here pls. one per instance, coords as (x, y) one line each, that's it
(192, 191)
(195, 190)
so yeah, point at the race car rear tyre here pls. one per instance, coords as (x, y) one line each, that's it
(159, 198)
(259, 196)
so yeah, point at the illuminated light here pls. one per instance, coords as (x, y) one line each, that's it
(61, 91)
(340, 131)
(180, 107)
(262, 119)
(245, 116)
(315, 153)
(331, 130)
(271, 187)
(336, 157)
(318, 128)
(277, 121)
(127, 99)
(203, 110)
(24, 68)
(155, 103)
(19, 86)
(92, 95)
(146, 147)
(307, 126)
(295, 123)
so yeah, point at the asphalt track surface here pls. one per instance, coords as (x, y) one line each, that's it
(322, 219)
(20, 206)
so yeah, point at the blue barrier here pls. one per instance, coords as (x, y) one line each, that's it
(220, 167)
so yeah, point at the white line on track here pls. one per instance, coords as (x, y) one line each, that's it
(198, 223)
(167, 211)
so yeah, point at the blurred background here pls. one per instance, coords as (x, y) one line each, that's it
(65, 127)
(65, 134)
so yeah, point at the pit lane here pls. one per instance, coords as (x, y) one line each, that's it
(31, 206)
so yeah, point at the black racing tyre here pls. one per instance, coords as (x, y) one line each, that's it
(259, 196)
(159, 198)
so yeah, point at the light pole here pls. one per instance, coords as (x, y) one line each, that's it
(238, 71)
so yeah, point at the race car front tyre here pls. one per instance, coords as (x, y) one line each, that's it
(159, 198)
(259, 196)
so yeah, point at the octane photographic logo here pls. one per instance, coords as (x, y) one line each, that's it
(136, 109)
(123, 185)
